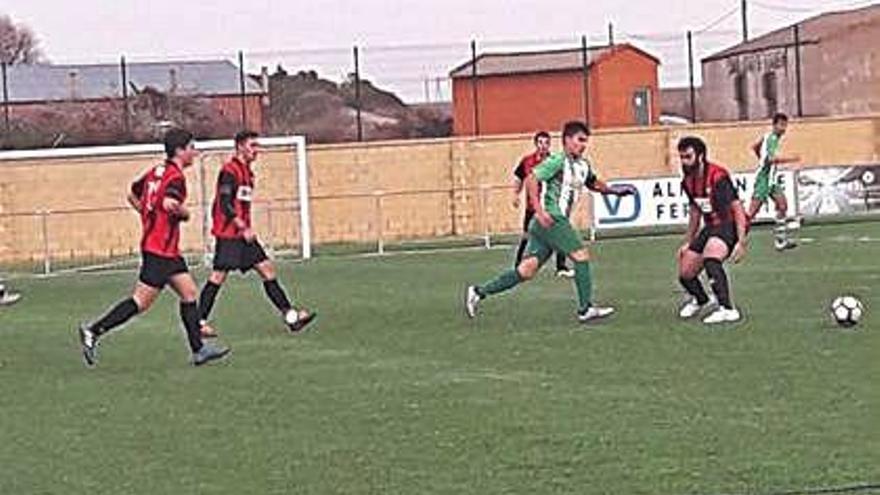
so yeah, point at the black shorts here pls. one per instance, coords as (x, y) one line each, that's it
(527, 218)
(237, 254)
(726, 232)
(156, 271)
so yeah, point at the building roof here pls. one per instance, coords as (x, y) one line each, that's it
(812, 30)
(493, 64)
(47, 82)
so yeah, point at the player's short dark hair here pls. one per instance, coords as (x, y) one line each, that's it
(176, 139)
(695, 143)
(574, 127)
(539, 135)
(779, 117)
(244, 135)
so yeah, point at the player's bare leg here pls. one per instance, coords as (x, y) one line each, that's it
(784, 225)
(186, 289)
(143, 296)
(713, 255)
(754, 207)
(690, 264)
(524, 271)
(562, 270)
(295, 319)
(521, 248)
(206, 302)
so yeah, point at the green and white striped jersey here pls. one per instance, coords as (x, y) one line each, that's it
(563, 178)
(769, 148)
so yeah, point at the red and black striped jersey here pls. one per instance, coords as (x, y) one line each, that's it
(713, 193)
(235, 186)
(161, 228)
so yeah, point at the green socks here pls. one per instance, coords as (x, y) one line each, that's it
(505, 281)
(509, 279)
(583, 282)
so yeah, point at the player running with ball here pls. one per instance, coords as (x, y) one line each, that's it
(563, 176)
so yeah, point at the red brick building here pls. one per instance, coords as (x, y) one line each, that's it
(521, 92)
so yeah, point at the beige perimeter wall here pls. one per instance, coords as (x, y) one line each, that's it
(75, 207)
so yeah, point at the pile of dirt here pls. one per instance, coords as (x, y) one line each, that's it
(326, 112)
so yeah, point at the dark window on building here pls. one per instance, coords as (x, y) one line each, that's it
(741, 94)
(770, 93)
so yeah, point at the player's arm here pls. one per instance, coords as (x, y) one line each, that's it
(782, 160)
(727, 198)
(542, 173)
(519, 177)
(175, 192)
(227, 188)
(135, 193)
(756, 148)
(598, 185)
(772, 159)
(742, 230)
(593, 183)
(694, 217)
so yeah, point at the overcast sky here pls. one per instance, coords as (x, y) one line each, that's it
(319, 34)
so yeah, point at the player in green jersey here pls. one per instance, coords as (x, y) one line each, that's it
(563, 176)
(768, 184)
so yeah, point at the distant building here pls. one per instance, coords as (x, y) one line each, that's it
(522, 92)
(839, 71)
(32, 88)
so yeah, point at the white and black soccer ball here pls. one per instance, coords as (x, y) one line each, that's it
(847, 311)
(291, 316)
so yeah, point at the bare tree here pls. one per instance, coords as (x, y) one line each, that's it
(18, 43)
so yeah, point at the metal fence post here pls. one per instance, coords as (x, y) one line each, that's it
(585, 67)
(474, 92)
(797, 70)
(242, 92)
(126, 112)
(691, 88)
(357, 94)
(6, 128)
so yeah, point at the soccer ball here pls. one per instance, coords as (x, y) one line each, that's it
(847, 311)
(291, 316)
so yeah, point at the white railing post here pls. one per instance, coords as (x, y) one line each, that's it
(47, 255)
(379, 197)
(484, 212)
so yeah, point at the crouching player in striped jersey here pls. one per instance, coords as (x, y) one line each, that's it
(713, 199)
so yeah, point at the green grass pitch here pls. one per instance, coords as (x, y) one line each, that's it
(396, 392)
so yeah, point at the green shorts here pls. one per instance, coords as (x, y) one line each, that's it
(766, 187)
(560, 237)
